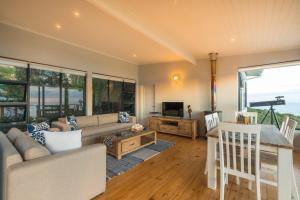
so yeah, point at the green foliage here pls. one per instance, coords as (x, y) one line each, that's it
(263, 112)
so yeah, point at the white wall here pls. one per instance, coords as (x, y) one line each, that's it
(227, 76)
(19, 44)
(192, 88)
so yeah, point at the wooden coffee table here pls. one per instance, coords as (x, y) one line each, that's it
(123, 142)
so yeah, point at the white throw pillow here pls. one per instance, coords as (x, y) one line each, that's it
(62, 141)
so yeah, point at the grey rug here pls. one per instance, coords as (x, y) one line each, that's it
(116, 167)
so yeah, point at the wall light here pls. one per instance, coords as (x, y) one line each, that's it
(176, 77)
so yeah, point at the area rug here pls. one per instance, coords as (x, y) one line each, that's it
(115, 167)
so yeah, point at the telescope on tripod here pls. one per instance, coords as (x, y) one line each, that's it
(279, 101)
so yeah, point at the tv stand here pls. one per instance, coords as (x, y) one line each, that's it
(174, 125)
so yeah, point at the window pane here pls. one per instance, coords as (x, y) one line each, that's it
(44, 95)
(264, 85)
(12, 93)
(100, 96)
(115, 95)
(12, 73)
(129, 98)
(73, 94)
(10, 114)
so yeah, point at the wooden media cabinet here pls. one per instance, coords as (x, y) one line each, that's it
(172, 125)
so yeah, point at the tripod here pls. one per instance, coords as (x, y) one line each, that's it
(273, 116)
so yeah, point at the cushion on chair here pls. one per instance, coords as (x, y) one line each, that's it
(108, 118)
(13, 133)
(63, 141)
(29, 148)
(87, 121)
(123, 117)
(35, 130)
(71, 120)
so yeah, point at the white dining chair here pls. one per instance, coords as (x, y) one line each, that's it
(252, 115)
(289, 132)
(284, 124)
(270, 160)
(210, 125)
(237, 164)
(209, 122)
(216, 119)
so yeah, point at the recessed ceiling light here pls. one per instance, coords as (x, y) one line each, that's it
(58, 26)
(134, 55)
(232, 39)
(76, 14)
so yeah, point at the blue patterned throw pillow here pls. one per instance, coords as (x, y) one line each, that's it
(71, 120)
(35, 130)
(123, 117)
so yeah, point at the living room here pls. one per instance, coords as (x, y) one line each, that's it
(110, 100)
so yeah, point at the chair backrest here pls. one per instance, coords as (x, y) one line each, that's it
(290, 130)
(233, 144)
(216, 119)
(252, 115)
(209, 122)
(284, 123)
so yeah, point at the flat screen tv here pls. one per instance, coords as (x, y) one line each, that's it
(172, 109)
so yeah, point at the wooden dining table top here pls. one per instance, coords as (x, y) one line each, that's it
(269, 136)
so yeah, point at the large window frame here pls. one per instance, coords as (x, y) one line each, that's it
(109, 106)
(23, 104)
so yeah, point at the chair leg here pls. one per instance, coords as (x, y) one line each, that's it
(295, 193)
(249, 185)
(222, 185)
(258, 194)
(205, 171)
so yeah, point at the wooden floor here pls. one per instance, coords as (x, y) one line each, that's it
(178, 174)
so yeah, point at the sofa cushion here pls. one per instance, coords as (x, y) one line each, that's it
(35, 130)
(108, 118)
(62, 120)
(13, 133)
(105, 129)
(8, 156)
(123, 117)
(71, 121)
(8, 152)
(87, 121)
(63, 141)
(29, 148)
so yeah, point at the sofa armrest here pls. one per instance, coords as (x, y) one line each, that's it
(132, 119)
(71, 175)
(60, 125)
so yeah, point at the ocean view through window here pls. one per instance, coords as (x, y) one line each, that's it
(265, 85)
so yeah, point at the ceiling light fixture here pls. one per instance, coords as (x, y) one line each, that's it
(134, 55)
(58, 26)
(176, 77)
(76, 14)
(232, 39)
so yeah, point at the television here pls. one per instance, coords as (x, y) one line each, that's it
(172, 109)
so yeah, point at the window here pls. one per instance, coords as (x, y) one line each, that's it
(45, 101)
(73, 94)
(100, 96)
(13, 84)
(55, 94)
(111, 96)
(265, 84)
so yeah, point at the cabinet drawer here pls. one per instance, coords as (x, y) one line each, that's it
(185, 132)
(131, 144)
(168, 128)
(185, 126)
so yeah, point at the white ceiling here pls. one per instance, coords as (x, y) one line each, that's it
(162, 30)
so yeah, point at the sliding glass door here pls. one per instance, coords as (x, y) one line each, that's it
(112, 96)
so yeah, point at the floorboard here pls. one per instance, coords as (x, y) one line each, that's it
(177, 174)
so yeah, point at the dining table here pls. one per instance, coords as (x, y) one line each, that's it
(271, 140)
